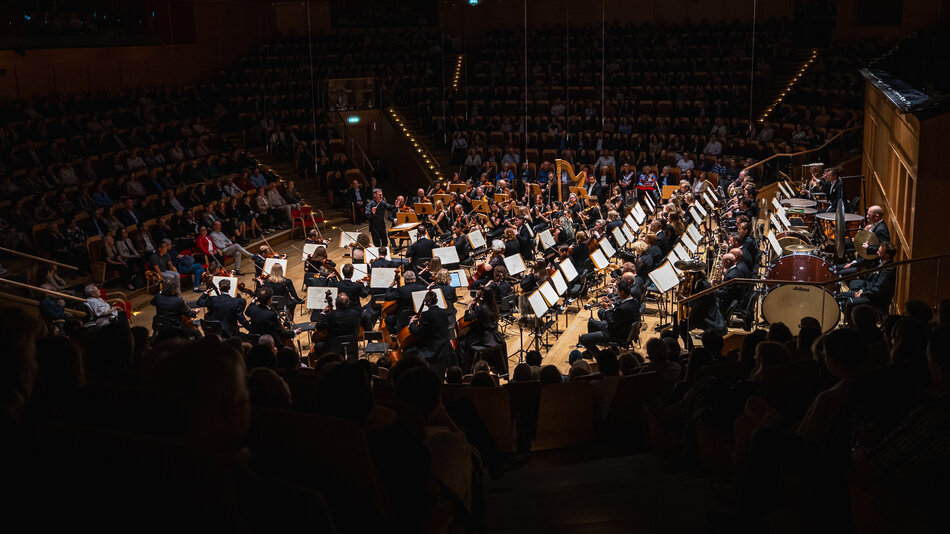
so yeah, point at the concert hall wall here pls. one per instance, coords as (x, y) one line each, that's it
(460, 18)
(198, 38)
(914, 15)
(905, 165)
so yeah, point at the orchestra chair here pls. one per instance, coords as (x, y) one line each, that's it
(506, 311)
(346, 346)
(565, 416)
(633, 336)
(374, 343)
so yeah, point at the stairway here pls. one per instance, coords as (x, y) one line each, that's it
(782, 74)
(442, 155)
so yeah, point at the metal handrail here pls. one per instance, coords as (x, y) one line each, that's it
(63, 296)
(838, 280)
(803, 152)
(37, 258)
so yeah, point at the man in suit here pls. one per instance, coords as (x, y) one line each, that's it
(430, 330)
(525, 238)
(376, 211)
(835, 191)
(382, 261)
(878, 288)
(614, 324)
(732, 268)
(877, 226)
(418, 199)
(353, 290)
(594, 188)
(403, 297)
(422, 248)
(227, 310)
(263, 319)
(342, 320)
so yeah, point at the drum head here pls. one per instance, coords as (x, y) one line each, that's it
(790, 304)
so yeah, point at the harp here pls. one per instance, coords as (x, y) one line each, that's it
(560, 168)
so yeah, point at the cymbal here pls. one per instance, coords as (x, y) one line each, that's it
(863, 236)
(689, 265)
(798, 249)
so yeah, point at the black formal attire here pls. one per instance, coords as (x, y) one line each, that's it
(171, 309)
(526, 242)
(835, 192)
(403, 297)
(432, 339)
(877, 289)
(339, 322)
(613, 326)
(734, 291)
(483, 332)
(354, 290)
(377, 221)
(227, 310)
(284, 289)
(420, 249)
(264, 321)
(513, 247)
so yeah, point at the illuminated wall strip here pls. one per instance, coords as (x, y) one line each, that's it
(458, 73)
(411, 137)
(791, 83)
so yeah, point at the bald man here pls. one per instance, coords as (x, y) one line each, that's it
(877, 226)
(731, 268)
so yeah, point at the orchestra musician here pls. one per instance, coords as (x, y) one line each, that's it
(264, 320)
(878, 288)
(170, 308)
(225, 309)
(430, 328)
(403, 297)
(482, 316)
(877, 226)
(376, 211)
(353, 289)
(342, 320)
(427, 274)
(282, 287)
(422, 248)
(614, 322)
(420, 197)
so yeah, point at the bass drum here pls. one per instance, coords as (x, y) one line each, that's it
(801, 268)
(789, 304)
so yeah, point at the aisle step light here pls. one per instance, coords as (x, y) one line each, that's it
(791, 83)
(429, 162)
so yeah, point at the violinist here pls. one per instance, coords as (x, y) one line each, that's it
(592, 210)
(536, 276)
(354, 289)
(433, 266)
(499, 283)
(442, 281)
(383, 261)
(482, 317)
(443, 219)
(319, 278)
(170, 308)
(430, 328)
(358, 249)
(314, 237)
(403, 297)
(512, 245)
(422, 248)
(282, 287)
(580, 250)
(339, 320)
(264, 320)
(420, 197)
(222, 307)
(259, 260)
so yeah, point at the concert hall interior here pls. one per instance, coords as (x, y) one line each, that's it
(475, 265)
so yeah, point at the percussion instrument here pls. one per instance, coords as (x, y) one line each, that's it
(805, 214)
(789, 304)
(852, 222)
(863, 236)
(801, 268)
(792, 237)
(800, 249)
(799, 203)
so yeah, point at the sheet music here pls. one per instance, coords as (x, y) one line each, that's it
(308, 250)
(458, 278)
(701, 209)
(784, 218)
(664, 277)
(629, 233)
(567, 267)
(789, 192)
(418, 296)
(630, 221)
(269, 264)
(405, 226)
(476, 239)
(372, 254)
(231, 290)
(682, 252)
(695, 214)
(547, 240)
(448, 255)
(547, 291)
(608, 249)
(515, 264)
(599, 259)
(690, 245)
(538, 304)
(317, 297)
(694, 234)
(650, 204)
(776, 247)
(348, 238)
(709, 202)
(672, 258)
(382, 277)
(776, 204)
(712, 193)
(360, 271)
(776, 223)
(618, 236)
(638, 216)
(413, 235)
(560, 285)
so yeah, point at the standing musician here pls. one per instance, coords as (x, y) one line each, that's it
(376, 211)
(341, 320)
(614, 321)
(222, 307)
(430, 328)
(482, 317)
